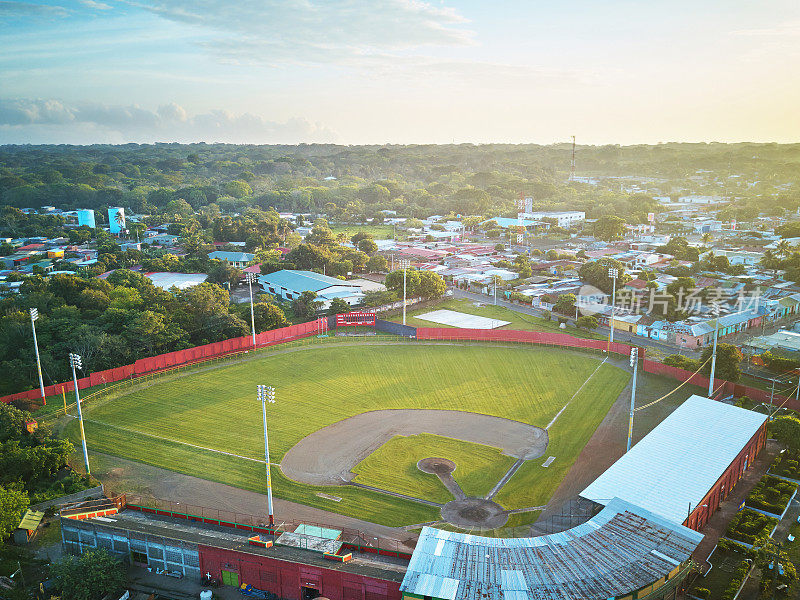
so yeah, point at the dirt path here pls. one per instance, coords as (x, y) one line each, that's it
(118, 473)
(327, 456)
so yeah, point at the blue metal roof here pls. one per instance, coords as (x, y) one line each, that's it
(300, 281)
(622, 549)
(674, 466)
(232, 256)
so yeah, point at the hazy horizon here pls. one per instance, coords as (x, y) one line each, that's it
(399, 71)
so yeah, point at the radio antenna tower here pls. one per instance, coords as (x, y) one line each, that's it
(572, 163)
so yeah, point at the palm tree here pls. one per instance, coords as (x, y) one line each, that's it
(706, 238)
(782, 248)
(769, 261)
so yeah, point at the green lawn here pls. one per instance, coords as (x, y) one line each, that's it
(321, 384)
(378, 232)
(393, 466)
(518, 321)
(532, 484)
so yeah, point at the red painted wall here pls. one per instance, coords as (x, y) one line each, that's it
(700, 515)
(153, 364)
(529, 337)
(285, 578)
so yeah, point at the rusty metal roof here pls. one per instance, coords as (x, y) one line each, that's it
(623, 548)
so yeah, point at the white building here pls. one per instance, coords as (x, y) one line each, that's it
(564, 218)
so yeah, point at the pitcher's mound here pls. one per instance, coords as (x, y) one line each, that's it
(436, 466)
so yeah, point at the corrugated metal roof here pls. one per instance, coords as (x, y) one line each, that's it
(31, 520)
(232, 256)
(623, 548)
(677, 463)
(300, 281)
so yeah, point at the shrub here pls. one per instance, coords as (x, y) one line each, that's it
(736, 580)
(787, 465)
(702, 593)
(747, 525)
(546, 315)
(771, 494)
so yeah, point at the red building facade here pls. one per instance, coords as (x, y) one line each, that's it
(735, 471)
(293, 580)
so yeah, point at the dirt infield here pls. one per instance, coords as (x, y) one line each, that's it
(327, 456)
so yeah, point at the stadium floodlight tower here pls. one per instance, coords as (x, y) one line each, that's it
(251, 277)
(34, 316)
(266, 393)
(613, 274)
(404, 264)
(76, 363)
(635, 365)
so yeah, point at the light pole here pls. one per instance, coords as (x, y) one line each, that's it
(635, 365)
(613, 274)
(404, 264)
(266, 393)
(75, 363)
(34, 316)
(251, 277)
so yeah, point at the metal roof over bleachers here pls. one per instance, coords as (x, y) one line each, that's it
(672, 468)
(621, 549)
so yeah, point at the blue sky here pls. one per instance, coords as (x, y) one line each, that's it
(400, 71)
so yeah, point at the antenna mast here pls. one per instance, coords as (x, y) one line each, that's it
(572, 164)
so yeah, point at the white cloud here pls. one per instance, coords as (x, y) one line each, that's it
(315, 31)
(53, 121)
(788, 28)
(96, 5)
(10, 10)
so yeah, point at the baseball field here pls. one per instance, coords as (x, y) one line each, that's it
(207, 422)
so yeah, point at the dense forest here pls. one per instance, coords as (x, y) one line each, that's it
(231, 193)
(355, 182)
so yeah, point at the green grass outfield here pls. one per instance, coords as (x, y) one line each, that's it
(393, 466)
(517, 320)
(319, 385)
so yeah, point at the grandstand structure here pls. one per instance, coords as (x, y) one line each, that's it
(622, 551)
(688, 464)
(639, 545)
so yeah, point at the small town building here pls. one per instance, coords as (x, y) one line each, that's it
(235, 259)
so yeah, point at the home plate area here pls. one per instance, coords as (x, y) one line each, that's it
(462, 320)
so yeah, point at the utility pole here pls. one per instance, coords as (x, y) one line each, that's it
(34, 316)
(76, 363)
(772, 394)
(713, 359)
(635, 364)
(266, 394)
(797, 391)
(251, 277)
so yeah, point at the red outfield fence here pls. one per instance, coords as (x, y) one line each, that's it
(179, 358)
(525, 337)
(722, 388)
(154, 364)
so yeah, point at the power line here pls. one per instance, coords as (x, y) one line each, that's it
(676, 389)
